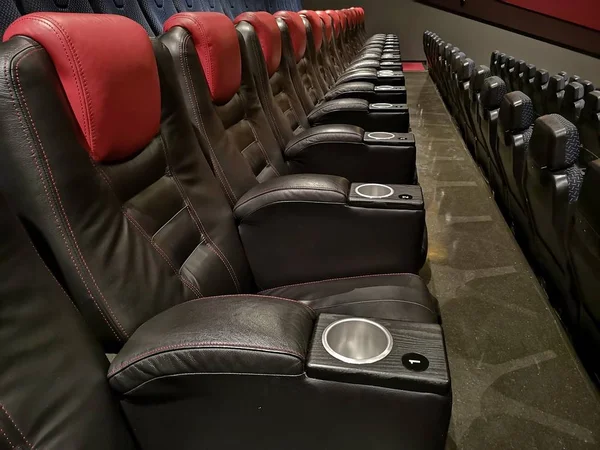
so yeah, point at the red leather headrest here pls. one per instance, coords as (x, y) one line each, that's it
(344, 18)
(268, 34)
(297, 32)
(328, 21)
(113, 89)
(337, 21)
(316, 24)
(218, 48)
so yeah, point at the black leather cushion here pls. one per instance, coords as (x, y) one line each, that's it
(492, 92)
(516, 111)
(53, 389)
(391, 296)
(555, 142)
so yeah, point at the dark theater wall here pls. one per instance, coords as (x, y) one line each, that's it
(409, 19)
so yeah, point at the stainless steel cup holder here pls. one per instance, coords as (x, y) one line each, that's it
(381, 135)
(381, 105)
(374, 190)
(357, 341)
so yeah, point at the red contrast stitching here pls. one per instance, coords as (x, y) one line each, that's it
(194, 345)
(16, 427)
(186, 283)
(56, 216)
(194, 100)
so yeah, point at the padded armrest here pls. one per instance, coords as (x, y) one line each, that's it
(367, 91)
(243, 334)
(299, 228)
(343, 150)
(358, 112)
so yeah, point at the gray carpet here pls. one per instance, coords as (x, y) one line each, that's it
(517, 381)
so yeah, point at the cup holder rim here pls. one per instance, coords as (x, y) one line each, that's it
(381, 105)
(357, 190)
(382, 135)
(348, 360)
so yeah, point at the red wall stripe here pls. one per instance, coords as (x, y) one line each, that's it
(580, 12)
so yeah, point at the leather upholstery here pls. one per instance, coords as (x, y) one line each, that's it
(297, 32)
(118, 112)
(53, 388)
(160, 216)
(316, 204)
(214, 39)
(268, 35)
(239, 334)
(359, 300)
(317, 26)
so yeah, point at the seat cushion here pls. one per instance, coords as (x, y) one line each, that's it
(389, 296)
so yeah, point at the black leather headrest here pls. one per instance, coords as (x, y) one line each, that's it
(573, 92)
(447, 51)
(478, 77)
(592, 104)
(588, 86)
(574, 78)
(556, 83)
(466, 69)
(457, 60)
(492, 92)
(564, 74)
(494, 57)
(502, 58)
(531, 71)
(516, 111)
(511, 62)
(541, 78)
(554, 143)
(521, 67)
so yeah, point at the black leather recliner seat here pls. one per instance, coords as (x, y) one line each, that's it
(105, 169)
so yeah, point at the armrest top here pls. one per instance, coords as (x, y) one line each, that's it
(324, 134)
(338, 105)
(226, 334)
(303, 188)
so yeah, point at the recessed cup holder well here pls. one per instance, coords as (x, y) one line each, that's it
(381, 135)
(381, 105)
(357, 341)
(374, 190)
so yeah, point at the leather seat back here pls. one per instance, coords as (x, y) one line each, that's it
(589, 128)
(508, 71)
(272, 75)
(146, 203)
(480, 74)
(492, 93)
(316, 55)
(299, 54)
(222, 100)
(555, 94)
(516, 80)
(53, 387)
(552, 183)
(573, 102)
(528, 81)
(584, 249)
(494, 62)
(540, 86)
